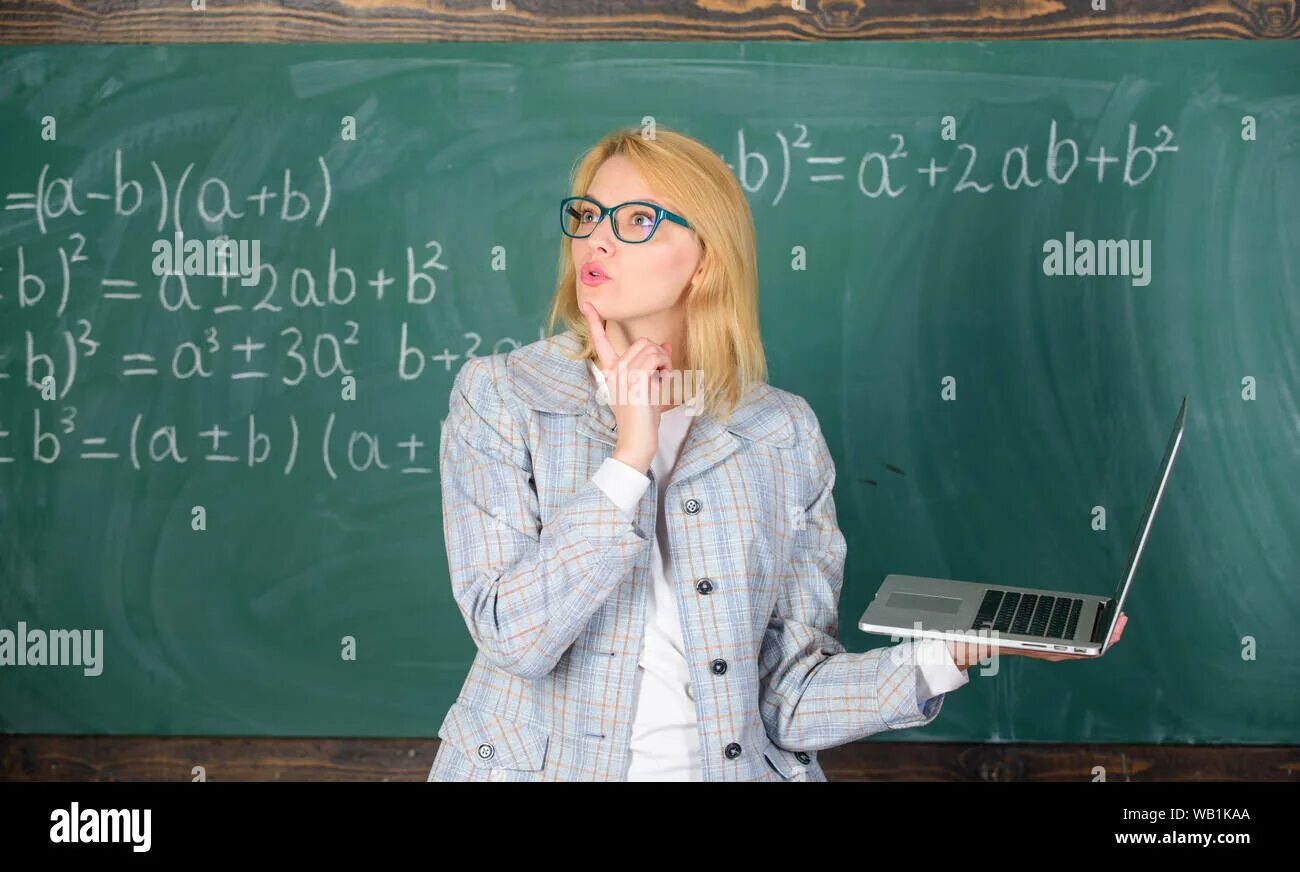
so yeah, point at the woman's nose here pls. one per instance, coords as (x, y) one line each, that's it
(602, 237)
(599, 249)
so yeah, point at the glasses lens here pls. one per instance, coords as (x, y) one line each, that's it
(635, 223)
(579, 217)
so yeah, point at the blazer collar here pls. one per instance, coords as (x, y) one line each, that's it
(545, 377)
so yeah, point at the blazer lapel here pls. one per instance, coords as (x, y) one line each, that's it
(597, 422)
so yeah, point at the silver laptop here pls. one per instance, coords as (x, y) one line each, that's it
(1023, 617)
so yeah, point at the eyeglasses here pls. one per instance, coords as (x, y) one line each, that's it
(634, 221)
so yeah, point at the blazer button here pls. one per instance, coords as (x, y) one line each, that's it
(704, 586)
(692, 506)
(802, 757)
(719, 666)
(485, 750)
(732, 751)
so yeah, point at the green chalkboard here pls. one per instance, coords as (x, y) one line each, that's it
(983, 412)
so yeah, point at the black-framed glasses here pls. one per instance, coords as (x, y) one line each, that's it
(634, 221)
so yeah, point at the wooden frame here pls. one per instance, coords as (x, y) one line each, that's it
(79, 21)
(173, 758)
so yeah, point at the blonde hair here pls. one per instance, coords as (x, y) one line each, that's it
(722, 334)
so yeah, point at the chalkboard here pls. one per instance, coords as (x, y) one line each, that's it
(923, 212)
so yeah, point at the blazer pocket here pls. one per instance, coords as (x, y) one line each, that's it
(785, 763)
(492, 740)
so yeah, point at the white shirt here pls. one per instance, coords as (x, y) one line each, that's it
(665, 744)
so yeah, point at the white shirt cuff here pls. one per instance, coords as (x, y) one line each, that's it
(622, 484)
(936, 670)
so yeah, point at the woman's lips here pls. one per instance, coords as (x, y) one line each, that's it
(593, 280)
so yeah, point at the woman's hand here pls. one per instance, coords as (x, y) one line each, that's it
(966, 654)
(638, 420)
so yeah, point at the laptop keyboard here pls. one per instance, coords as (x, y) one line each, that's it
(1028, 614)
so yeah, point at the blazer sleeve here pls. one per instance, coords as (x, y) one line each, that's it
(526, 590)
(813, 694)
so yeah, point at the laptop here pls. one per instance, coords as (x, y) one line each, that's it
(1023, 617)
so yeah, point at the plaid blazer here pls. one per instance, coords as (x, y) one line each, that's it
(552, 581)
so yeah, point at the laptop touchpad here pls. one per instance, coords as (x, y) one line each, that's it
(945, 604)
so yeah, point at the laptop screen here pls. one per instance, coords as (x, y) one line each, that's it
(1148, 514)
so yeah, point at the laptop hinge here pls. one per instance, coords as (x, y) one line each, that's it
(1102, 622)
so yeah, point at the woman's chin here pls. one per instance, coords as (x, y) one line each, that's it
(599, 294)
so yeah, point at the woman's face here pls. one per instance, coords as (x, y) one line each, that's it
(645, 278)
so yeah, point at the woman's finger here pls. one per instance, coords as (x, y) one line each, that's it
(634, 359)
(639, 345)
(647, 364)
(604, 350)
(651, 357)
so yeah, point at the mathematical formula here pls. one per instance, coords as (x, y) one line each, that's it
(152, 199)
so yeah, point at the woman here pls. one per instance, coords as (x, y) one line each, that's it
(685, 631)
